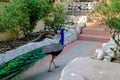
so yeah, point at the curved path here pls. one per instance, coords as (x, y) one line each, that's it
(76, 49)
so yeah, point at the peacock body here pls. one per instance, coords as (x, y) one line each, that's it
(55, 49)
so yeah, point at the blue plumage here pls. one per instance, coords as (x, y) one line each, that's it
(61, 41)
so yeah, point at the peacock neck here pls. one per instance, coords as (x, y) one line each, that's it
(61, 41)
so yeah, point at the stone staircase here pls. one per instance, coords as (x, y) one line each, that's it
(95, 33)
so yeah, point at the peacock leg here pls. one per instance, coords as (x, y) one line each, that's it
(49, 70)
(54, 62)
(55, 65)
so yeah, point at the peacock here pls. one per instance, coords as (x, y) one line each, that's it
(15, 66)
(54, 49)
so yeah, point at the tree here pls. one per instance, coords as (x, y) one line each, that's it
(110, 14)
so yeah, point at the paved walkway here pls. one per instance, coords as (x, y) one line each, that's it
(75, 49)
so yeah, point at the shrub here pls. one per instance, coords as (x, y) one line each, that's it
(37, 9)
(110, 13)
(12, 17)
(23, 15)
(57, 18)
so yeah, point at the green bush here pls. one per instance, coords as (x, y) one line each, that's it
(57, 18)
(12, 17)
(22, 15)
(37, 9)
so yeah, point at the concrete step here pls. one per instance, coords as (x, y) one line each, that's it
(92, 25)
(95, 31)
(95, 38)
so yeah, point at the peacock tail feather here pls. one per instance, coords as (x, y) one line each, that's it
(21, 63)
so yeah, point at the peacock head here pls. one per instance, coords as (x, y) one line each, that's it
(61, 41)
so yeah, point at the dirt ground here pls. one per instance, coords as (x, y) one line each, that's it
(6, 46)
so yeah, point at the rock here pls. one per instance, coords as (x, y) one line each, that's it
(9, 55)
(100, 54)
(109, 45)
(78, 30)
(86, 68)
(1, 59)
(107, 58)
(96, 52)
(82, 25)
(70, 36)
(110, 53)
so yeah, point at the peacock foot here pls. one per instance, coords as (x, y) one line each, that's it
(57, 66)
(50, 70)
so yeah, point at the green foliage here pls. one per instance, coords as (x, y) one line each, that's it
(22, 15)
(59, 15)
(57, 18)
(2, 18)
(13, 17)
(103, 8)
(111, 13)
(115, 6)
(114, 23)
(63, 0)
(37, 9)
(49, 21)
(21, 62)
